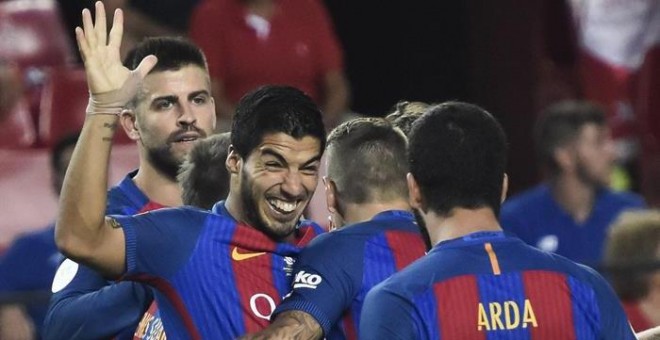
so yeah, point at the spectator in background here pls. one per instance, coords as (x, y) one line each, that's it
(570, 212)
(152, 18)
(632, 257)
(29, 264)
(203, 176)
(249, 43)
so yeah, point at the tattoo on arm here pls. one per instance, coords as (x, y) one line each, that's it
(112, 127)
(294, 325)
(114, 223)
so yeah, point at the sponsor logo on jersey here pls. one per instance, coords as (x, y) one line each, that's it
(306, 280)
(238, 256)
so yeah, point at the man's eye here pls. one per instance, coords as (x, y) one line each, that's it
(312, 170)
(163, 105)
(200, 100)
(273, 165)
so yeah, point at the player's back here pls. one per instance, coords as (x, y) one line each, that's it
(335, 272)
(491, 286)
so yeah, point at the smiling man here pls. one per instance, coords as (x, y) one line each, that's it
(218, 273)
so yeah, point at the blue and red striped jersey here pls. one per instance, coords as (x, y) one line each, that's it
(335, 272)
(215, 277)
(89, 306)
(489, 285)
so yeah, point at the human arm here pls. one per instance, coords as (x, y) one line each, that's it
(15, 323)
(335, 97)
(90, 307)
(82, 231)
(290, 325)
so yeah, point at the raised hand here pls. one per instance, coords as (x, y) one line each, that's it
(100, 53)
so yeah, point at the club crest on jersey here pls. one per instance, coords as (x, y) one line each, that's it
(306, 280)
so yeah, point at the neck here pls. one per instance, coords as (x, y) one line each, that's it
(356, 213)
(156, 186)
(574, 196)
(459, 222)
(234, 206)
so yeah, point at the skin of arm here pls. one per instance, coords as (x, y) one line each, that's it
(336, 97)
(290, 325)
(82, 231)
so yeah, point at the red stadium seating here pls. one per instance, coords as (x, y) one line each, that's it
(17, 129)
(63, 102)
(32, 34)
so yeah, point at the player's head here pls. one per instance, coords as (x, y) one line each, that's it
(572, 137)
(174, 106)
(632, 254)
(457, 156)
(203, 176)
(277, 139)
(60, 156)
(405, 113)
(366, 160)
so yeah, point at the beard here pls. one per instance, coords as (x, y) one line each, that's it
(164, 161)
(586, 177)
(251, 211)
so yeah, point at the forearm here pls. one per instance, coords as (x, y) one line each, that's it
(86, 314)
(290, 325)
(336, 97)
(83, 199)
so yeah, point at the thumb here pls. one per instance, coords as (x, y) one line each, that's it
(146, 65)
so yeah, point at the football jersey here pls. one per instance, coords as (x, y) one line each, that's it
(214, 277)
(489, 285)
(334, 273)
(88, 305)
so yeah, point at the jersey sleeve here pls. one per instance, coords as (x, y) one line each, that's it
(160, 242)
(614, 322)
(17, 266)
(386, 315)
(324, 285)
(89, 307)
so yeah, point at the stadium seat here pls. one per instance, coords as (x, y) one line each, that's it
(32, 34)
(63, 102)
(17, 129)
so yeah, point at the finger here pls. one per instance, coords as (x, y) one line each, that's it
(146, 65)
(117, 30)
(88, 27)
(82, 43)
(101, 26)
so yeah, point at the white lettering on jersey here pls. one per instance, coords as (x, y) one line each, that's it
(306, 280)
(255, 310)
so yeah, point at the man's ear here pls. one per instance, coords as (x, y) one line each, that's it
(129, 123)
(414, 193)
(505, 187)
(330, 194)
(233, 162)
(564, 158)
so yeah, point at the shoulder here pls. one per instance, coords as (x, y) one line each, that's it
(530, 198)
(623, 199)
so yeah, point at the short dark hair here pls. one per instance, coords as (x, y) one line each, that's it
(367, 160)
(58, 149)
(457, 154)
(631, 252)
(203, 176)
(560, 124)
(405, 113)
(274, 109)
(173, 53)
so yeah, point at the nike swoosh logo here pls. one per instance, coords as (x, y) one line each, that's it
(243, 256)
